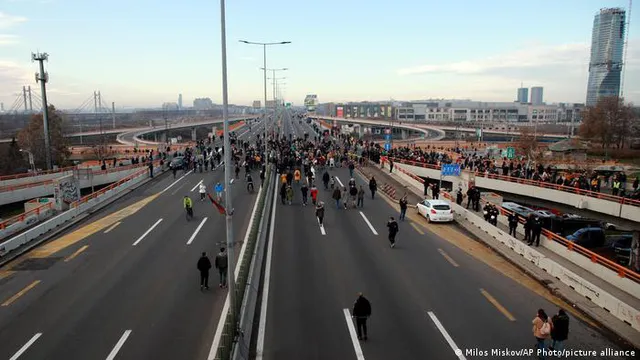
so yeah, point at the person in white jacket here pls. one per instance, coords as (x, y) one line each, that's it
(203, 191)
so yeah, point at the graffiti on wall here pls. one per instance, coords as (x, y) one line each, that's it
(69, 191)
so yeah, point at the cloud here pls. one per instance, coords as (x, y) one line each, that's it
(6, 39)
(533, 57)
(8, 21)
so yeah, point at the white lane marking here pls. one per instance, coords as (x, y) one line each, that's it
(339, 182)
(177, 189)
(354, 336)
(114, 352)
(225, 308)
(197, 231)
(447, 337)
(175, 182)
(321, 227)
(147, 232)
(25, 346)
(368, 223)
(198, 184)
(262, 326)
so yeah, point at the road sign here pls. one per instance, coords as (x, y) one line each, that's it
(450, 170)
(511, 152)
(288, 105)
(387, 137)
(387, 131)
(387, 146)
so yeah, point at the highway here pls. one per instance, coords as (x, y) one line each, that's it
(123, 284)
(429, 297)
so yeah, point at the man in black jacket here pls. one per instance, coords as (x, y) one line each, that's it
(361, 312)
(559, 330)
(204, 264)
(222, 264)
(393, 231)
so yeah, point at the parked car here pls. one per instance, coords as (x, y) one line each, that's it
(435, 210)
(589, 237)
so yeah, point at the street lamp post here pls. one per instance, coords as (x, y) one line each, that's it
(264, 60)
(227, 173)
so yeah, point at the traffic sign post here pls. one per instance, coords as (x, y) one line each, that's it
(387, 139)
(449, 170)
(387, 146)
(511, 152)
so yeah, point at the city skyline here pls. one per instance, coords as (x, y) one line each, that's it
(138, 61)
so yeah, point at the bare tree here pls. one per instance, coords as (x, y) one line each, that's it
(32, 138)
(611, 122)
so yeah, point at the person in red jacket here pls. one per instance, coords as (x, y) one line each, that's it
(314, 194)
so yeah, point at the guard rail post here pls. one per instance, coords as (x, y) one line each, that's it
(229, 333)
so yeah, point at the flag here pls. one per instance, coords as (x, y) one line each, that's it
(220, 208)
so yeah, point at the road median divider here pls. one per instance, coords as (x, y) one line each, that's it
(237, 332)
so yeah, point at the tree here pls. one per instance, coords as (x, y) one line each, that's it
(611, 122)
(527, 144)
(32, 138)
(13, 161)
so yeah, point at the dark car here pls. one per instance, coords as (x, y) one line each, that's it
(589, 237)
(177, 163)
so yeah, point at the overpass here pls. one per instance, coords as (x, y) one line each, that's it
(25, 188)
(431, 133)
(132, 137)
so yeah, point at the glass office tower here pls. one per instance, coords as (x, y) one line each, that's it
(607, 45)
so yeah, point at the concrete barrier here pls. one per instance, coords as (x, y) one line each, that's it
(36, 231)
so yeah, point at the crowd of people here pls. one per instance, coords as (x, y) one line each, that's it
(615, 183)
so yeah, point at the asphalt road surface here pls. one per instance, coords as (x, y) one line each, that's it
(428, 297)
(92, 294)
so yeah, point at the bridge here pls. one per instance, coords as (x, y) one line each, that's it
(122, 281)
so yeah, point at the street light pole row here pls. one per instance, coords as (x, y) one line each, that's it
(264, 60)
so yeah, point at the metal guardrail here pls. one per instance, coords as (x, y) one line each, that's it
(231, 328)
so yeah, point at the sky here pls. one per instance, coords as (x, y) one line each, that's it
(141, 53)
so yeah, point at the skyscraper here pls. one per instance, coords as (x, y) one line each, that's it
(179, 101)
(523, 95)
(536, 95)
(607, 45)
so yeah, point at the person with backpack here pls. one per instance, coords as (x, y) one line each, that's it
(541, 331)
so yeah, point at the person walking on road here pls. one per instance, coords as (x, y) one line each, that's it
(222, 264)
(337, 195)
(361, 197)
(314, 194)
(203, 191)
(541, 330)
(204, 264)
(392, 225)
(304, 189)
(559, 330)
(320, 213)
(373, 187)
(361, 312)
(403, 207)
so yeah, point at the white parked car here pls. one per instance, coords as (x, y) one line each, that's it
(435, 210)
